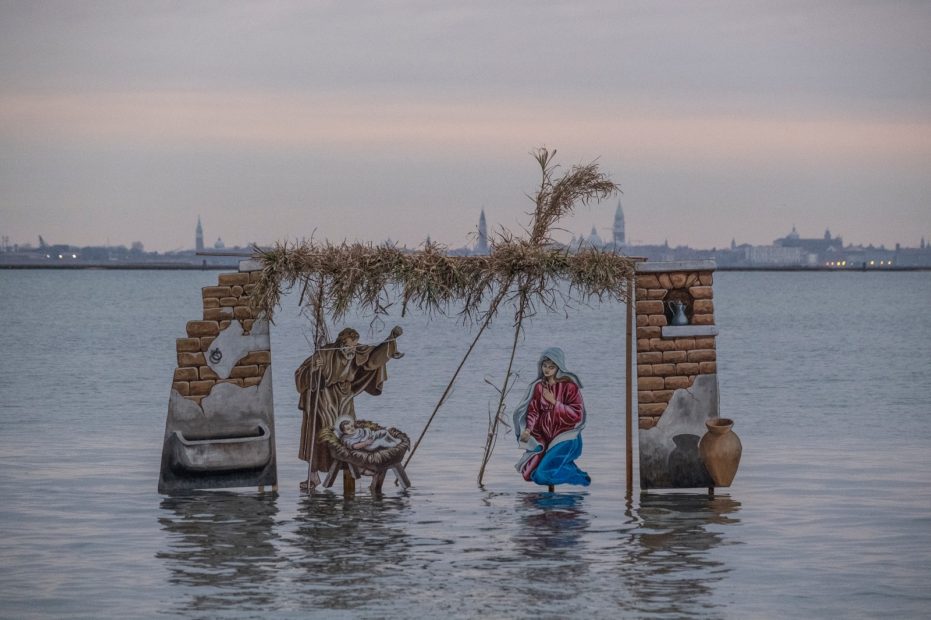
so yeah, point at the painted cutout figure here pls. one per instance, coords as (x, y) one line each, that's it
(548, 424)
(331, 378)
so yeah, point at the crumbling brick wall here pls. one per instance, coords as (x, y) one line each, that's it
(222, 304)
(666, 361)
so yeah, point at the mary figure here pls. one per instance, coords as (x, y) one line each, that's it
(549, 422)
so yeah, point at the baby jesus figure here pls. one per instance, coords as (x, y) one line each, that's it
(363, 438)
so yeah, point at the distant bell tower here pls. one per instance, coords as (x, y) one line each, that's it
(482, 246)
(199, 236)
(619, 237)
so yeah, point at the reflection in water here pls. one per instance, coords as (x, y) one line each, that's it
(223, 546)
(550, 521)
(381, 556)
(670, 569)
(349, 550)
(550, 549)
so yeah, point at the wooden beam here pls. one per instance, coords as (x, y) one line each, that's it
(629, 400)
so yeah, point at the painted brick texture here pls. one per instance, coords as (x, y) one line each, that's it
(667, 364)
(222, 303)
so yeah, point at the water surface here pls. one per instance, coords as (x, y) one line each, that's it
(826, 375)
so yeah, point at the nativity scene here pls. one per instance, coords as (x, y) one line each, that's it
(521, 275)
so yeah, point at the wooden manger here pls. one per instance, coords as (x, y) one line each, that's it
(358, 463)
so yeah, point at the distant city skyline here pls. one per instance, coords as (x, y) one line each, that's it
(478, 239)
(792, 251)
(366, 121)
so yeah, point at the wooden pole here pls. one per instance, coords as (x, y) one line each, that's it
(629, 401)
(492, 432)
(313, 431)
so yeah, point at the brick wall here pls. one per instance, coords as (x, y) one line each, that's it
(666, 363)
(223, 303)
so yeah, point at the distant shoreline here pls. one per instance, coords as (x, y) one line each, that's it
(125, 266)
(216, 267)
(838, 269)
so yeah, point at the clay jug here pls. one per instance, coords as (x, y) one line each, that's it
(720, 450)
(678, 313)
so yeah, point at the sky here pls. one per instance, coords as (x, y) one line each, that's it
(125, 121)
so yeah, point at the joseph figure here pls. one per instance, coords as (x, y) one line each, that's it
(329, 380)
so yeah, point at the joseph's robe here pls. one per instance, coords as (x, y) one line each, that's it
(328, 392)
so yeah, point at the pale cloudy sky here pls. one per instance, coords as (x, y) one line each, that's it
(373, 120)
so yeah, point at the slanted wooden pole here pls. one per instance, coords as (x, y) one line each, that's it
(313, 479)
(629, 400)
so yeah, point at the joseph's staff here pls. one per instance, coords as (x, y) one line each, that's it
(318, 312)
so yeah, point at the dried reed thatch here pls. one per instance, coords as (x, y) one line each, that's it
(372, 277)
(526, 271)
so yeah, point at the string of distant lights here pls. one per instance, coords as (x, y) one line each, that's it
(843, 263)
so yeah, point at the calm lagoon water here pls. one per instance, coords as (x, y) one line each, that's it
(825, 374)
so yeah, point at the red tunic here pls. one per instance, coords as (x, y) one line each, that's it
(545, 421)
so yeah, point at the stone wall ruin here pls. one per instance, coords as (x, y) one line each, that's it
(220, 429)
(677, 385)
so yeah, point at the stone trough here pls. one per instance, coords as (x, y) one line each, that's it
(220, 427)
(218, 454)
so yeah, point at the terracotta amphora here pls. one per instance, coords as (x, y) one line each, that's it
(720, 451)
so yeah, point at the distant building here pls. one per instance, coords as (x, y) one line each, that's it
(863, 257)
(593, 240)
(619, 239)
(199, 236)
(482, 246)
(219, 245)
(774, 255)
(657, 252)
(913, 257)
(818, 247)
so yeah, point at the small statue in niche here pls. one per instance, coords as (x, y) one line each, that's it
(548, 423)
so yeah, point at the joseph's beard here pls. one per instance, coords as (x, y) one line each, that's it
(347, 351)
